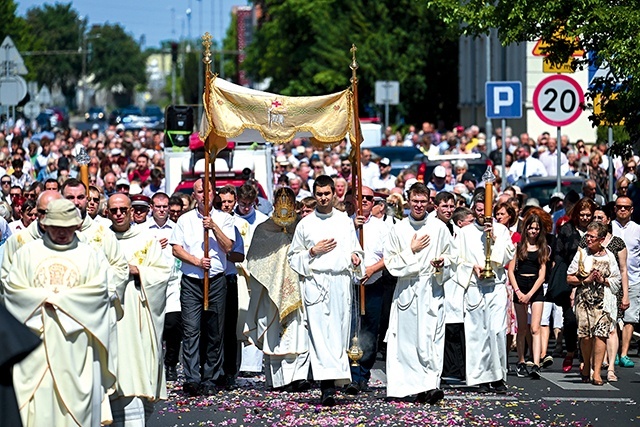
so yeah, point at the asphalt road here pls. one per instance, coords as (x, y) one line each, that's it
(558, 399)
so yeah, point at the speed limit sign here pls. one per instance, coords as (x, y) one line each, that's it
(558, 100)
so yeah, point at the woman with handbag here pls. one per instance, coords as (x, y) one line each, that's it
(595, 274)
(564, 250)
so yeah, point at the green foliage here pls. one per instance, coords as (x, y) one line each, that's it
(303, 47)
(189, 87)
(610, 28)
(56, 28)
(11, 24)
(116, 59)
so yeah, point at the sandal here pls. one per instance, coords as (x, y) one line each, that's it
(597, 381)
(611, 376)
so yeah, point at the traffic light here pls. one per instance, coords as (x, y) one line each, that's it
(178, 125)
(174, 52)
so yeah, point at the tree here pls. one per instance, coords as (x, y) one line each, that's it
(116, 60)
(56, 29)
(608, 28)
(303, 47)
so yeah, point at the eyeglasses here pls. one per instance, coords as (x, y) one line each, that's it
(624, 207)
(122, 210)
(94, 199)
(30, 195)
(175, 211)
(140, 209)
(42, 211)
(368, 198)
(592, 237)
(6, 182)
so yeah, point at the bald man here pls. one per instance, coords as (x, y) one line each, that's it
(35, 231)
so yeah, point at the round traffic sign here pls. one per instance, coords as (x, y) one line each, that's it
(31, 109)
(13, 89)
(558, 100)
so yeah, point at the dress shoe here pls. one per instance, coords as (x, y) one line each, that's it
(300, 386)
(364, 386)
(352, 389)
(499, 387)
(171, 373)
(433, 396)
(484, 388)
(192, 389)
(328, 397)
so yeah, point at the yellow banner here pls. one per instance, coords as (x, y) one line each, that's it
(238, 112)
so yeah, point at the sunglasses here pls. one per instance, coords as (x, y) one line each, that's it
(368, 198)
(94, 199)
(6, 182)
(122, 210)
(140, 209)
(623, 207)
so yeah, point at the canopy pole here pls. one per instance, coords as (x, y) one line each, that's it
(206, 53)
(358, 167)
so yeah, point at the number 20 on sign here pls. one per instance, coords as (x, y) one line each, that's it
(558, 100)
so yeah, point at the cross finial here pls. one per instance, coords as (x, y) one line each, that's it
(354, 63)
(206, 52)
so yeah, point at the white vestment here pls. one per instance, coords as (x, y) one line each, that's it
(275, 318)
(11, 246)
(60, 293)
(251, 355)
(140, 366)
(415, 337)
(326, 281)
(485, 302)
(453, 292)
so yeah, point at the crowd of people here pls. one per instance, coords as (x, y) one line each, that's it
(130, 282)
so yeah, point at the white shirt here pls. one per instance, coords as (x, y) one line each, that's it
(189, 234)
(550, 162)
(375, 237)
(534, 168)
(630, 233)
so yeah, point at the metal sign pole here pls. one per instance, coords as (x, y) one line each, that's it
(503, 181)
(610, 140)
(559, 161)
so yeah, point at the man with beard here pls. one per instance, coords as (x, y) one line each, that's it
(375, 235)
(416, 252)
(140, 377)
(485, 300)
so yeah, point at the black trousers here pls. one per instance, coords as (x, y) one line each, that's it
(231, 363)
(454, 351)
(172, 336)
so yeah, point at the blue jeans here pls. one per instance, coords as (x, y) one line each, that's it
(210, 325)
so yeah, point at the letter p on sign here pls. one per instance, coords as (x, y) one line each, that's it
(503, 100)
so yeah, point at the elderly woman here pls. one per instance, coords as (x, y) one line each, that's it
(595, 274)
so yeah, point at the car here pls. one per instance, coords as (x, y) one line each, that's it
(94, 114)
(117, 116)
(542, 188)
(400, 157)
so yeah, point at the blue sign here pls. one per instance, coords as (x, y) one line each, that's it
(503, 100)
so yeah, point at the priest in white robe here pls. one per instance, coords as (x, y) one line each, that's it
(275, 319)
(140, 373)
(57, 286)
(417, 251)
(326, 253)
(35, 231)
(485, 301)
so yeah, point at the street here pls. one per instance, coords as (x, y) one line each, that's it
(558, 399)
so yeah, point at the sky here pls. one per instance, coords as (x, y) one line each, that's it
(157, 20)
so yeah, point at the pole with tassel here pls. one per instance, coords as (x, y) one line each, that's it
(206, 59)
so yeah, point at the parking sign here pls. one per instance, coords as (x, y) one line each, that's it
(503, 100)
